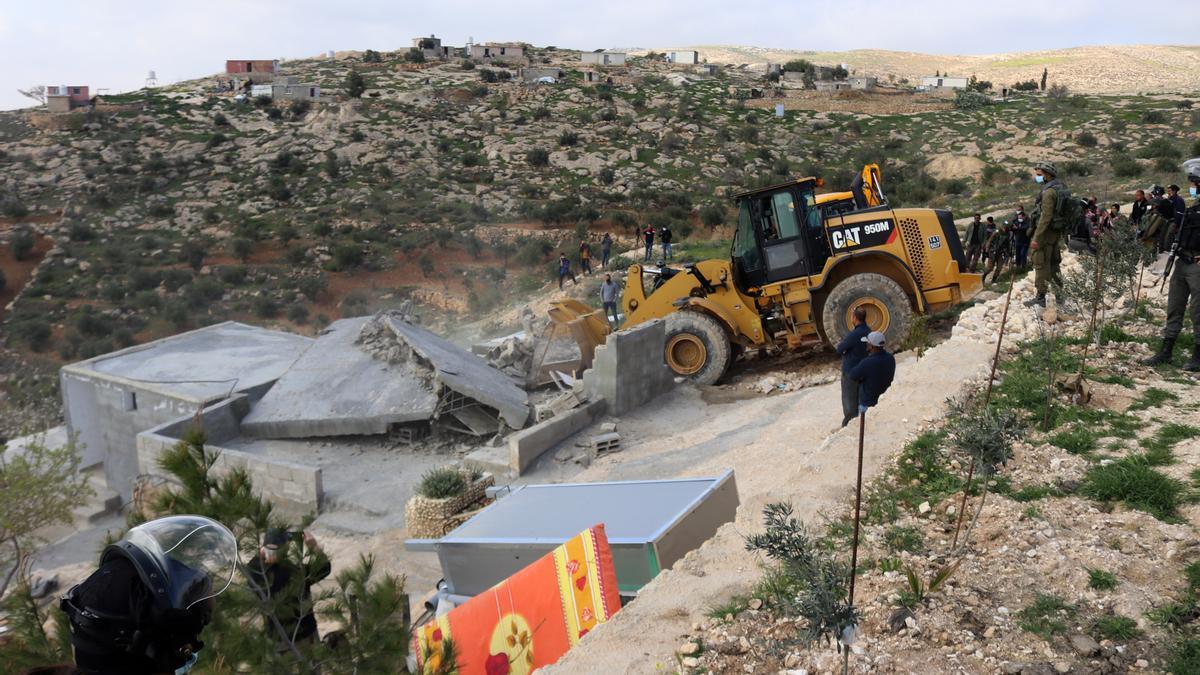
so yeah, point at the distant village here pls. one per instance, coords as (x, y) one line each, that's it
(254, 78)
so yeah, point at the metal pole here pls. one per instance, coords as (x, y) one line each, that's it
(962, 505)
(862, 426)
(1050, 372)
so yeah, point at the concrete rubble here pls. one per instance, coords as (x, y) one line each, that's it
(374, 375)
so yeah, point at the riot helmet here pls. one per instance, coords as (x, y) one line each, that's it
(143, 610)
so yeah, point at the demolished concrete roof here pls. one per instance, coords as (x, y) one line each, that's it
(464, 372)
(364, 375)
(337, 389)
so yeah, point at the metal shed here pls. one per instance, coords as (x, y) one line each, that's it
(651, 524)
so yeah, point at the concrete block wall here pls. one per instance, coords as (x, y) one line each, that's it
(629, 369)
(107, 416)
(525, 446)
(296, 489)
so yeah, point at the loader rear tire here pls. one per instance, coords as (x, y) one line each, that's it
(697, 347)
(887, 305)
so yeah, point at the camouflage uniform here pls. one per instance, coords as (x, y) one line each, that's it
(1047, 257)
(999, 248)
(974, 243)
(1183, 293)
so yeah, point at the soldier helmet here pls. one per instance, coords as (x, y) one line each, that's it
(1192, 167)
(1046, 167)
(1157, 190)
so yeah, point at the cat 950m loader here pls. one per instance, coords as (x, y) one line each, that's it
(800, 265)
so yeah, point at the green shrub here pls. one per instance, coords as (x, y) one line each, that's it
(1126, 167)
(900, 539)
(442, 483)
(297, 313)
(1100, 580)
(13, 207)
(568, 139)
(537, 157)
(1184, 656)
(1160, 147)
(1135, 482)
(1116, 628)
(1077, 440)
(21, 245)
(1165, 165)
(215, 140)
(1075, 167)
(347, 256)
(35, 333)
(1154, 117)
(266, 307)
(1086, 139)
(1046, 616)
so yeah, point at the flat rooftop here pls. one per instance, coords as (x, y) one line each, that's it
(202, 364)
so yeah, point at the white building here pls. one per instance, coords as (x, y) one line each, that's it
(688, 57)
(944, 82)
(603, 58)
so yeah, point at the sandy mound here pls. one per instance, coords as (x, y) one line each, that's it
(948, 166)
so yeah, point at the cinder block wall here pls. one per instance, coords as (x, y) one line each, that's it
(294, 488)
(628, 369)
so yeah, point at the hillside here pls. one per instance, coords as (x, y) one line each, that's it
(454, 186)
(1121, 69)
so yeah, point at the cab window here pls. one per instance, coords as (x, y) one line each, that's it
(745, 247)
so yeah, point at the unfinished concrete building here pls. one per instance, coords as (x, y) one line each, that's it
(505, 52)
(602, 58)
(432, 48)
(109, 399)
(287, 89)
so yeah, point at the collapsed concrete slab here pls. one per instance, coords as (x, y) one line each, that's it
(337, 389)
(373, 375)
(466, 374)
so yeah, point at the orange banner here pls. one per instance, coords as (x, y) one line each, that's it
(528, 620)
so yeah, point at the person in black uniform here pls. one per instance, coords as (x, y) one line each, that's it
(288, 584)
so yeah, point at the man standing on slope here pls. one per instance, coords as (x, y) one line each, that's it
(853, 349)
(1048, 229)
(874, 374)
(648, 238)
(1183, 293)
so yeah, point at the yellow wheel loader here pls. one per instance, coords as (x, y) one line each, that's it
(800, 265)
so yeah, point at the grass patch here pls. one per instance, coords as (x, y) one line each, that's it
(1046, 616)
(1100, 580)
(1184, 656)
(1158, 447)
(1192, 573)
(1173, 615)
(731, 607)
(1076, 440)
(1134, 482)
(1152, 398)
(923, 471)
(1115, 627)
(900, 539)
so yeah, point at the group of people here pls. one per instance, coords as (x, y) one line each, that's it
(585, 259)
(664, 237)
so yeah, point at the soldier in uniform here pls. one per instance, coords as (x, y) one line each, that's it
(999, 247)
(1183, 294)
(1047, 235)
(975, 239)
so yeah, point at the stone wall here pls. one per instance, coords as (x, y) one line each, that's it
(294, 488)
(628, 369)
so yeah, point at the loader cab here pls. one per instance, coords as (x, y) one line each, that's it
(780, 235)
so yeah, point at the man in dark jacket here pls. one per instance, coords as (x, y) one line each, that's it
(1020, 235)
(666, 237)
(874, 373)
(288, 585)
(853, 349)
(605, 249)
(1140, 204)
(648, 238)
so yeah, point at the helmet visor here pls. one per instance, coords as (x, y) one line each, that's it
(198, 555)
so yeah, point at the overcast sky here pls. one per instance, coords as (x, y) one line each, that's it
(113, 43)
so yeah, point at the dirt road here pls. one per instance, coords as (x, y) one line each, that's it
(781, 448)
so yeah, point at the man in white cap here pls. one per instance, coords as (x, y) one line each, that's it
(874, 373)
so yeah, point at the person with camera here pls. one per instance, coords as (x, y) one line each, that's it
(286, 578)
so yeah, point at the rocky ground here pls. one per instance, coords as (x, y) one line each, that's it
(1052, 580)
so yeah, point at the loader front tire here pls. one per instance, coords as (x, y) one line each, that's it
(888, 308)
(697, 347)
